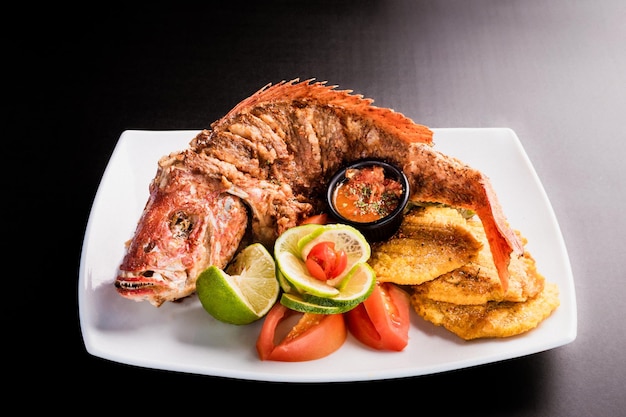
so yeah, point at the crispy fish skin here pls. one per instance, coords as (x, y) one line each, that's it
(477, 281)
(267, 161)
(300, 133)
(490, 320)
(431, 241)
(188, 223)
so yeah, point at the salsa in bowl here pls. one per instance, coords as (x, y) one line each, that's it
(370, 195)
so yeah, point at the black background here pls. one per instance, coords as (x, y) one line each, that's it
(552, 71)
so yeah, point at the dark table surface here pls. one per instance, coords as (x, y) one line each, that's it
(554, 72)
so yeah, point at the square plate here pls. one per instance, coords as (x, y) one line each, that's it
(183, 337)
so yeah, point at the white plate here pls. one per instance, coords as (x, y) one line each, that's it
(183, 337)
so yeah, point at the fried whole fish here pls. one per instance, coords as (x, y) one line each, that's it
(263, 167)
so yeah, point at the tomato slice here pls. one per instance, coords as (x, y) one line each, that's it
(316, 219)
(340, 263)
(315, 269)
(324, 262)
(382, 320)
(314, 336)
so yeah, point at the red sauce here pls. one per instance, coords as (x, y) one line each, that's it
(366, 195)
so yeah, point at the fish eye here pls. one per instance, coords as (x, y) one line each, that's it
(181, 224)
(149, 246)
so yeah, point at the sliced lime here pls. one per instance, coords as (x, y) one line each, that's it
(354, 289)
(346, 238)
(282, 281)
(288, 240)
(297, 303)
(296, 272)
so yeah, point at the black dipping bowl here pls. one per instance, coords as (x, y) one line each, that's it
(383, 228)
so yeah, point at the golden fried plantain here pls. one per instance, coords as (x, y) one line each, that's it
(431, 241)
(490, 320)
(477, 282)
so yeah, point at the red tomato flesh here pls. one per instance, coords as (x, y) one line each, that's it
(382, 321)
(324, 262)
(314, 336)
(316, 219)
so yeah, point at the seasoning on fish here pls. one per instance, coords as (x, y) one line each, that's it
(263, 168)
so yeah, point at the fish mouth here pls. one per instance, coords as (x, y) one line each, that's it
(147, 283)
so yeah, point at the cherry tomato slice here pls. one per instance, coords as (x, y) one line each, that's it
(324, 262)
(340, 263)
(315, 269)
(314, 336)
(382, 320)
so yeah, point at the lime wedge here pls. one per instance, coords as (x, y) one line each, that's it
(243, 292)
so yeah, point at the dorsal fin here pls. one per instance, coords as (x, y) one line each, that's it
(318, 93)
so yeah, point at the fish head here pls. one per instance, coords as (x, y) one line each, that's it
(188, 224)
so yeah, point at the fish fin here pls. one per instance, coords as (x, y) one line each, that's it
(310, 90)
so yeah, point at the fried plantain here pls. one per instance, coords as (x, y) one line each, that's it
(477, 282)
(431, 241)
(490, 320)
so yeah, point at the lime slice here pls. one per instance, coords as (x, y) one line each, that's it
(293, 274)
(294, 244)
(354, 289)
(243, 292)
(346, 238)
(295, 271)
(282, 281)
(288, 240)
(297, 303)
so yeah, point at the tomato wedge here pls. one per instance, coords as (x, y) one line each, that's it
(316, 219)
(314, 336)
(382, 320)
(324, 262)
